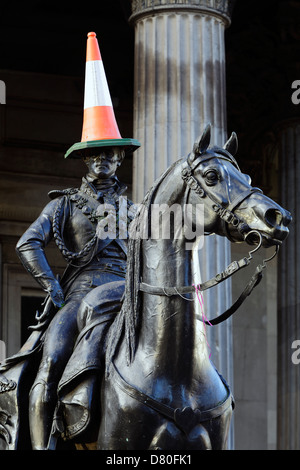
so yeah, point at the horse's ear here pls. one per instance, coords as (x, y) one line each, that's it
(202, 143)
(232, 144)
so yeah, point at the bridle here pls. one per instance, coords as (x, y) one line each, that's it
(228, 217)
(226, 214)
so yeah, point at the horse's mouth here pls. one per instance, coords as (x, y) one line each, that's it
(256, 237)
(269, 241)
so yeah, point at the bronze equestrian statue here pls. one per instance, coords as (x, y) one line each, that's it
(160, 390)
(139, 339)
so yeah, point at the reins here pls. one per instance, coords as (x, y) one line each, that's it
(228, 217)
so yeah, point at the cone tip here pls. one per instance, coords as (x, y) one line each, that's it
(91, 35)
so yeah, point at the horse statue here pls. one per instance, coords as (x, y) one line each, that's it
(160, 390)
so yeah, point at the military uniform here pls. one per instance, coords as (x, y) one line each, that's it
(72, 219)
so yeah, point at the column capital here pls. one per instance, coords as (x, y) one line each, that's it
(218, 8)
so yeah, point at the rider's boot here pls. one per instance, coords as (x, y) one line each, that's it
(42, 401)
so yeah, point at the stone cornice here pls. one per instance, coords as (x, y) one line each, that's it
(218, 8)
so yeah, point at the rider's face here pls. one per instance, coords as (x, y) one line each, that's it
(105, 163)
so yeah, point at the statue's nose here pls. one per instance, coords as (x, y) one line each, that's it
(101, 157)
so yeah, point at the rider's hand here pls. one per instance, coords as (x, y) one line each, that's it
(57, 295)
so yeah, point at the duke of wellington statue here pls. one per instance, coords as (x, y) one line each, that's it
(49, 387)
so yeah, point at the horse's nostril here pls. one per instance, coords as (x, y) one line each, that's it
(273, 217)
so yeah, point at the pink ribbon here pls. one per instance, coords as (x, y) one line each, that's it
(204, 318)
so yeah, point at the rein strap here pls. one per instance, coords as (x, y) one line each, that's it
(169, 291)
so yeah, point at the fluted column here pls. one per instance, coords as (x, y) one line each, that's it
(179, 82)
(289, 294)
(179, 88)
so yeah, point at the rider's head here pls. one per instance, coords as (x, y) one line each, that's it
(103, 163)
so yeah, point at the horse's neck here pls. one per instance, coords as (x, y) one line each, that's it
(170, 331)
(165, 259)
(170, 359)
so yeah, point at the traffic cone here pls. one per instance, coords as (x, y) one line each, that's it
(100, 128)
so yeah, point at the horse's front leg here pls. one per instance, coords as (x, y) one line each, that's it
(125, 424)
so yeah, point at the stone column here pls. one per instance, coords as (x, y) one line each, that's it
(179, 81)
(289, 294)
(179, 88)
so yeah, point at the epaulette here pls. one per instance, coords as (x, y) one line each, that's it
(62, 192)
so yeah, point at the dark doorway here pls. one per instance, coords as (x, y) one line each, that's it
(29, 306)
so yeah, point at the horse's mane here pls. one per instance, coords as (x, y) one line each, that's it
(127, 321)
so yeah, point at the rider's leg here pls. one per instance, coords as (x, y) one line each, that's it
(41, 409)
(58, 347)
(79, 388)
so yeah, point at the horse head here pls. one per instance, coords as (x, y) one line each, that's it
(232, 207)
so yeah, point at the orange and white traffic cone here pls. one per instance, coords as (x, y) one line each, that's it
(100, 128)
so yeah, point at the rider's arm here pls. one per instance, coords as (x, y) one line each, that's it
(31, 251)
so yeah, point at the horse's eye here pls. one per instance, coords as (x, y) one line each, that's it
(211, 177)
